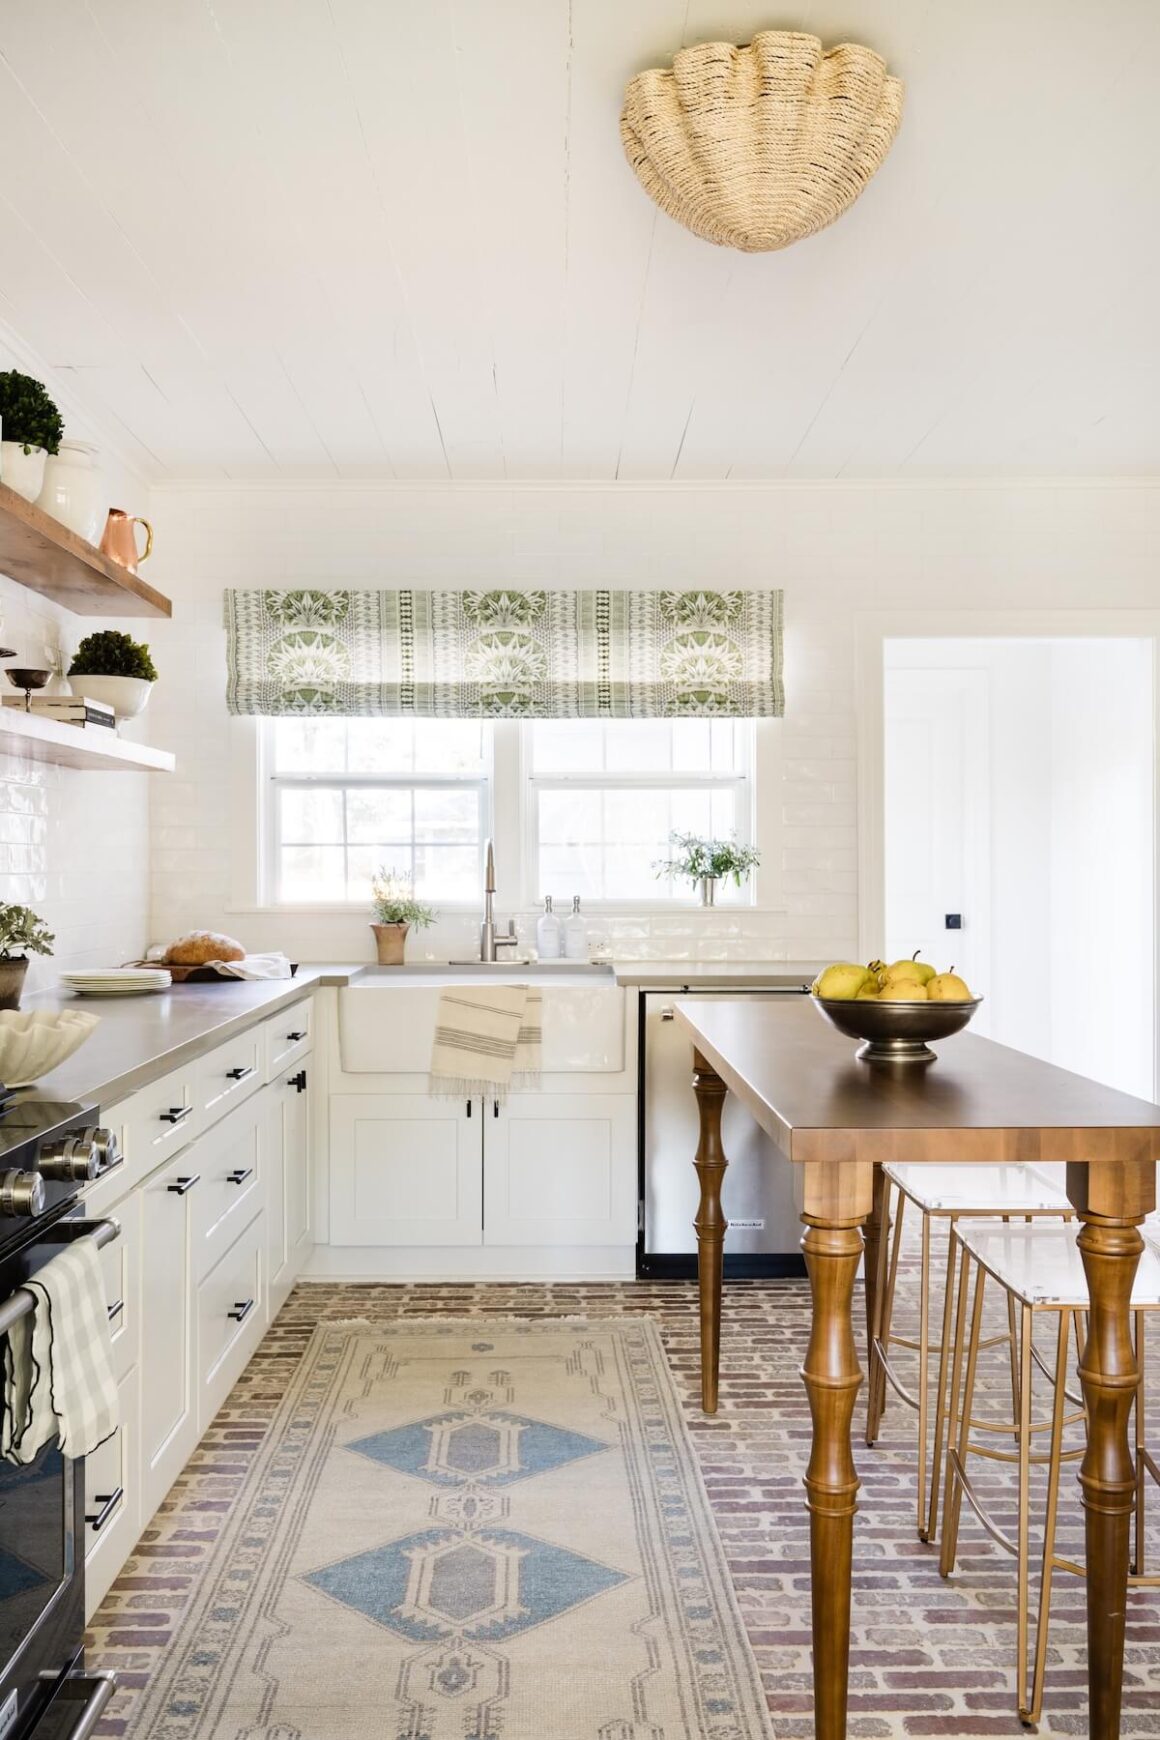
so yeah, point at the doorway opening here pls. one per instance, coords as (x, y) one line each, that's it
(1019, 812)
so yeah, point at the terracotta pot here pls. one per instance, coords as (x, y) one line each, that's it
(390, 940)
(12, 972)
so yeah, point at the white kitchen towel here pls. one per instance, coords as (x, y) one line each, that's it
(58, 1363)
(487, 1039)
(272, 966)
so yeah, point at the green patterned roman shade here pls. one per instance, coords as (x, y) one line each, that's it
(499, 655)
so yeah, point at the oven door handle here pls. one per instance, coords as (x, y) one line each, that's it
(96, 1689)
(102, 1232)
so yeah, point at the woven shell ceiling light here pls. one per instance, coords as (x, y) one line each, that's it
(756, 147)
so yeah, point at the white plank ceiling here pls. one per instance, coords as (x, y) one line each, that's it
(399, 238)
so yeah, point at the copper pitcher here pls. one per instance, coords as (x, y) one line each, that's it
(119, 541)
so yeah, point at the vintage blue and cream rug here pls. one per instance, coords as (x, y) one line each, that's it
(467, 1531)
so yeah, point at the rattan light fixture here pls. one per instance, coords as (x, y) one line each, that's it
(756, 147)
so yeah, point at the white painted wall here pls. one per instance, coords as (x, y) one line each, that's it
(73, 845)
(837, 549)
(1067, 802)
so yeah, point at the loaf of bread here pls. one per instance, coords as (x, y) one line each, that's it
(197, 947)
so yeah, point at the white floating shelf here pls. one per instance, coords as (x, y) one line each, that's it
(92, 746)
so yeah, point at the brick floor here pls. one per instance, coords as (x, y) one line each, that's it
(929, 1657)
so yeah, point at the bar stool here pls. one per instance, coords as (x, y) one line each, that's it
(1040, 1270)
(949, 1193)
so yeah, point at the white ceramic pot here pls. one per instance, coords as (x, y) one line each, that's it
(21, 471)
(127, 696)
(74, 490)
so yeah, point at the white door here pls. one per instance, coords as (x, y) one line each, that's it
(405, 1169)
(937, 820)
(560, 1169)
(168, 1413)
(288, 1183)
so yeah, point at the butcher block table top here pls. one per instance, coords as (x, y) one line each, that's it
(842, 1119)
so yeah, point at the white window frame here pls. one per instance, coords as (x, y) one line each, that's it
(507, 820)
(743, 782)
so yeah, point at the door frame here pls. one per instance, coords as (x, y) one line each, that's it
(872, 629)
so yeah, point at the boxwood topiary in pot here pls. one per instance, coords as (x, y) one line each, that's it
(30, 429)
(113, 667)
(22, 932)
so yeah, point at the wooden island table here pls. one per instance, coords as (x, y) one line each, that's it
(840, 1119)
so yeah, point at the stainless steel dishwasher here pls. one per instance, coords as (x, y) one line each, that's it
(758, 1195)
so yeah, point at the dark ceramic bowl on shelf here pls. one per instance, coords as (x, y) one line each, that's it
(896, 1032)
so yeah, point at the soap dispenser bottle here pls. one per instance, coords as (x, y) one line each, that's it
(548, 933)
(575, 933)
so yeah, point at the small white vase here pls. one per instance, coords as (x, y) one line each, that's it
(74, 490)
(127, 696)
(22, 471)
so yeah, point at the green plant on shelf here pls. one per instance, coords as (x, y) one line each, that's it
(22, 933)
(395, 903)
(27, 414)
(696, 858)
(110, 653)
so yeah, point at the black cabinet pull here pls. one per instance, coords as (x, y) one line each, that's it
(240, 1175)
(183, 1184)
(495, 1108)
(295, 1037)
(108, 1502)
(469, 1108)
(176, 1114)
(241, 1310)
(115, 1310)
(240, 1074)
(298, 1081)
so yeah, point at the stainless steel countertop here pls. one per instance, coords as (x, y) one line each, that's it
(715, 975)
(140, 1038)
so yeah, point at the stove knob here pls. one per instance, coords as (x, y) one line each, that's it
(74, 1159)
(105, 1142)
(21, 1193)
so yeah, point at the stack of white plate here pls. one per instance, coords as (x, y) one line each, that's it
(116, 981)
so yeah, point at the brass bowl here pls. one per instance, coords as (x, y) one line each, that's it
(896, 1032)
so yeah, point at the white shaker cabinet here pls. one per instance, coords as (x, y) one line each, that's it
(288, 1111)
(168, 1429)
(405, 1169)
(560, 1169)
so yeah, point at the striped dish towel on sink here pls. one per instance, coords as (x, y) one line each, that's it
(487, 1040)
(58, 1362)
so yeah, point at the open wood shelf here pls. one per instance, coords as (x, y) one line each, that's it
(45, 556)
(91, 746)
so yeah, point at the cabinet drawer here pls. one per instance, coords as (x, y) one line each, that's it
(230, 1318)
(155, 1122)
(288, 1035)
(230, 1074)
(228, 1163)
(112, 1498)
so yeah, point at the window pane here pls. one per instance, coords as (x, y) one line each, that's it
(447, 813)
(309, 745)
(373, 813)
(312, 873)
(568, 746)
(569, 870)
(385, 746)
(570, 817)
(447, 873)
(310, 815)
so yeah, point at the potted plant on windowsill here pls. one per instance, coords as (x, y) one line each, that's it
(114, 668)
(22, 932)
(396, 910)
(705, 862)
(30, 429)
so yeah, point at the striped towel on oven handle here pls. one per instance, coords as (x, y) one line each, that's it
(58, 1363)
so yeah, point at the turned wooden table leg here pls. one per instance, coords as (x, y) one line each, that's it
(710, 1222)
(832, 1376)
(1107, 1474)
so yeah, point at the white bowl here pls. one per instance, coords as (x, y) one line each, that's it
(125, 695)
(34, 1041)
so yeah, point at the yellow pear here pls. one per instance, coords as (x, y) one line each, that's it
(842, 981)
(902, 991)
(912, 968)
(949, 988)
(868, 994)
(902, 973)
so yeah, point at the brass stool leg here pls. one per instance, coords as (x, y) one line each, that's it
(1023, 1415)
(884, 1314)
(923, 1375)
(1141, 1465)
(941, 1398)
(956, 1459)
(1039, 1672)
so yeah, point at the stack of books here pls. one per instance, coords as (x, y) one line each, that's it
(69, 709)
